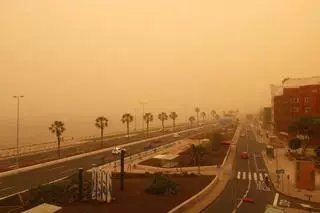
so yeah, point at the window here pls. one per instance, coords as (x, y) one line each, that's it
(294, 100)
(307, 100)
(294, 109)
(307, 109)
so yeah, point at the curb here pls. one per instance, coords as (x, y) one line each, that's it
(280, 192)
(37, 166)
(194, 199)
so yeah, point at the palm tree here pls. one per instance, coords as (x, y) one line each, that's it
(191, 120)
(197, 110)
(162, 117)
(57, 128)
(101, 123)
(127, 118)
(213, 114)
(173, 116)
(203, 115)
(148, 117)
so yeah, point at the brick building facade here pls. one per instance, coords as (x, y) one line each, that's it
(296, 98)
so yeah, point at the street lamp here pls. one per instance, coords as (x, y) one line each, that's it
(18, 120)
(143, 103)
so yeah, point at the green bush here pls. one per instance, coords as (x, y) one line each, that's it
(162, 185)
(50, 193)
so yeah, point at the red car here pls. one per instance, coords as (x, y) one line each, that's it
(226, 142)
(248, 200)
(244, 155)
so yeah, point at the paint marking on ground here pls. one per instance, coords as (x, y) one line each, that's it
(5, 197)
(68, 170)
(275, 200)
(238, 176)
(249, 176)
(261, 177)
(54, 168)
(244, 175)
(255, 176)
(5, 189)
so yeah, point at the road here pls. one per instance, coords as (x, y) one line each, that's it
(22, 181)
(247, 180)
(27, 160)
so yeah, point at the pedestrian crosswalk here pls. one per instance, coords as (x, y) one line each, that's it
(256, 176)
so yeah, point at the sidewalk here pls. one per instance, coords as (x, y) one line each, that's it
(287, 186)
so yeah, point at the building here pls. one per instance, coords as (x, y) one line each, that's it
(296, 97)
(267, 118)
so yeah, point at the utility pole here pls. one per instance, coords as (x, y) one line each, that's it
(143, 103)
(18, 126)
(135, 119)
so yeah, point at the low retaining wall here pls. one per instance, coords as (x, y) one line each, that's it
(196, 198)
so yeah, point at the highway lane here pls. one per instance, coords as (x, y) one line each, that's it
(245, 173)
(7, 164)
(245, 176)
(22, 181)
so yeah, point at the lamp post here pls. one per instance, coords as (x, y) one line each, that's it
(143, 103)
(18, 120)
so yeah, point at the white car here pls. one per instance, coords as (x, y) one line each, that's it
(117, 150)
(176, 135)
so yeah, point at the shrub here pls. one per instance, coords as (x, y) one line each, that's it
(162, 185)
(295, 144)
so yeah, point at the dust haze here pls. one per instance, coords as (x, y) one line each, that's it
(75, 60)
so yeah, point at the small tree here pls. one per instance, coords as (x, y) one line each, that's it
(191, 120)
(148, 117)
(101, 123)
(127, 118)
(163, 117)
(213, 114)
(173, 116)
(57, 128)
(204, 116)
(197, 110)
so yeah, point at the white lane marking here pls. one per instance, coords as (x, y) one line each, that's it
(261, 177)
(5, 197)
(238, 176)
(255, 176)
(5, 189)
(249, 176)
(67, 171)
(275, 200)
(54, 168)
(244, 175)
(56, 180)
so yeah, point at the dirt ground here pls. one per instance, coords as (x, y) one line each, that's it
(133, 199)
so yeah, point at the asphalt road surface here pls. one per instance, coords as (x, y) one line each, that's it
(26, 160)
(22, 181)
(248, 175)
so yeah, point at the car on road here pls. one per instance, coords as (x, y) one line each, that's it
(117, 150)
(148, 146)
(244, 155)
(176, 135)
(248, 200)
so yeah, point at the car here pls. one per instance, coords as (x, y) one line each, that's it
(248, 200)
(244, 155)
(226, 142)
(117, 150)
(176, 135)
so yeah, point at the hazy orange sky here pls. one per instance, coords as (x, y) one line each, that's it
(100, 57)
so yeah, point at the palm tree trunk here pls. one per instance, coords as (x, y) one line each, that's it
(128, 129)
(101, 138)
(197, 118)
(162, 124)
(147, 128)
(174, 124)
(58, 137)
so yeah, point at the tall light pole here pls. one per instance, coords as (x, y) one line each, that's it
(135, 119)
(143, 103)
(18, 121)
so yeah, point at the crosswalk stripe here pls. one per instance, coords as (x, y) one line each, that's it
(244, 175)
(255, 176)
(261, 177)
(249, 176)
(238, 176)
